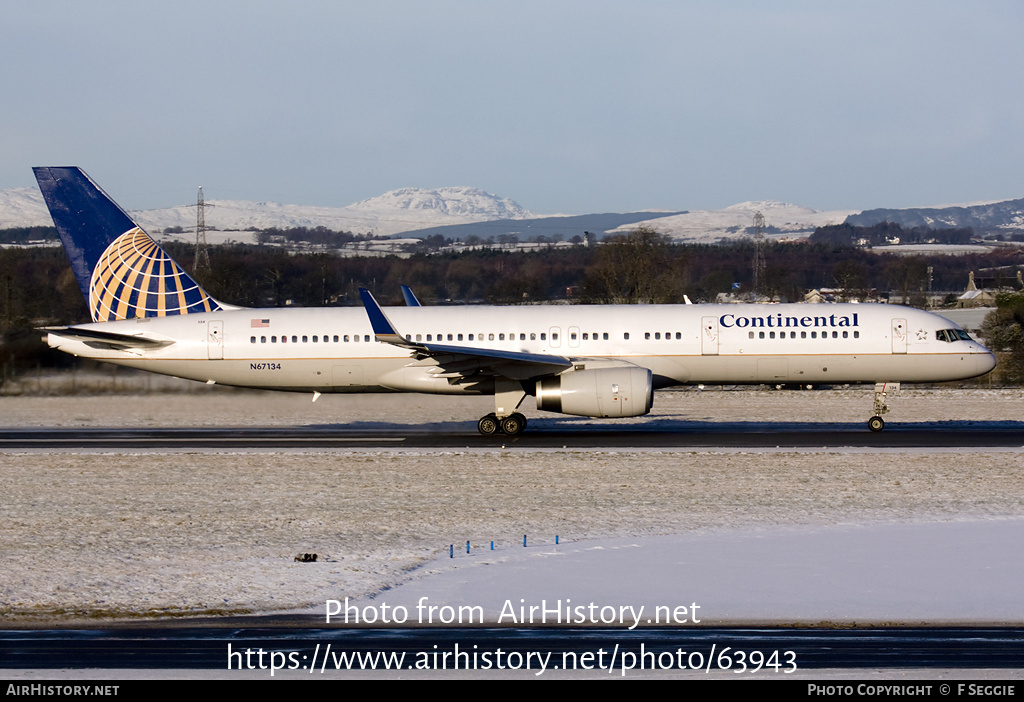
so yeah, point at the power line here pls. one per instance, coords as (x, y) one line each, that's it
(201, 261)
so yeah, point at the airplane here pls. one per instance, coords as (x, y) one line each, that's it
(583, 360)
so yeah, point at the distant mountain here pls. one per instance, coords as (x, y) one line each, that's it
(781, 220)
(1005, 217)
(564, 227)
(23, 207)
(471, 203)
(461, 212)
(402, 210)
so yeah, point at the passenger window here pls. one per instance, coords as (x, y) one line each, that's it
(459, 337)
(490, 337)
(366, 337)
(750, 335)
(543, 336)
(263, 339)
(522, 337)
(305, 339)
(501, 337)
(856, 335)
(336, 338)
(273, 339)
(252, 339)
(647, 335)
(605, 336)
(533, 336)
(625, 336)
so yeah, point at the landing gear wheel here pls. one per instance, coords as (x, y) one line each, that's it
(513, 424)
(488, 425)
(522, 419)
(876, 424)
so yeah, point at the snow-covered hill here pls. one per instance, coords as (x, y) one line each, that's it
(393, 212)
(23, 207)
(412, 209)
(781, 219)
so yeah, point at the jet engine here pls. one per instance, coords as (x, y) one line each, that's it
(598, 392)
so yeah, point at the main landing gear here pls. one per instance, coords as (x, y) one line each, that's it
(508, 395)
(876, 423)
(512, 424)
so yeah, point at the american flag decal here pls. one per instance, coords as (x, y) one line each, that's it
(259, 323)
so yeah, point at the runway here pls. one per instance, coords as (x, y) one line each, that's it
(549, 435)
(753, 653)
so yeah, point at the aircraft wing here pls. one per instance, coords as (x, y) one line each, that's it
(464, 361)
(107, 340)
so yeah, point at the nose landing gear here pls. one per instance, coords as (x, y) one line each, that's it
(882, 390)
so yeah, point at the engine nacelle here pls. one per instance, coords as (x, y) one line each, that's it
(600, 392)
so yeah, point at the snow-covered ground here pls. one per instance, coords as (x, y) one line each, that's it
(827, 534)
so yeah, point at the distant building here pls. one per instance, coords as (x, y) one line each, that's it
(975, 297)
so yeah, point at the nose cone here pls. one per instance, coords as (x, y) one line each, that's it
(986, 362)
(981, 358)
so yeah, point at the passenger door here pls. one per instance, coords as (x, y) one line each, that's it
(709, 336)
(215, 340)
(899, 336)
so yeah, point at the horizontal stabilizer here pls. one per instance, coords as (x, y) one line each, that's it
(108, 340)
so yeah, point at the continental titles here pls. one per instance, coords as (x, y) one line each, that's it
(779, 321)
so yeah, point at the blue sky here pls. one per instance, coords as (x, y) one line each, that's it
(570, 107)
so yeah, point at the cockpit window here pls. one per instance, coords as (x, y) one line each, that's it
(950, 335)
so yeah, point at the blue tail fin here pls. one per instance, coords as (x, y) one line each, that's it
(122, 272)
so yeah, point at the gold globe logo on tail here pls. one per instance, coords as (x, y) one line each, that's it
(135, 278)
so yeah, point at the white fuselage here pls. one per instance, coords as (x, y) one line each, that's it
(334, 349)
